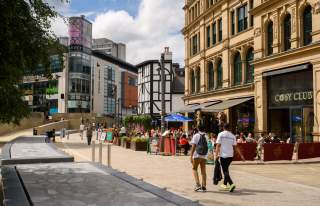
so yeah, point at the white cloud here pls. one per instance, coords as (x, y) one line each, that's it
(157, 24)
(59, 26)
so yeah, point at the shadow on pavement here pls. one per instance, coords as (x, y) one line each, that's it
(244, 192)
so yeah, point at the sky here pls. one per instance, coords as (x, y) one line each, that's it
(145, 26)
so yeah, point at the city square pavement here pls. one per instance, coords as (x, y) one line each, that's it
(283, 184)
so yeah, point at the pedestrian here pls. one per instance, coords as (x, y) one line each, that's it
(53, 135)
(81, 130)
(226, 145)
(89, 133)
(198, 157)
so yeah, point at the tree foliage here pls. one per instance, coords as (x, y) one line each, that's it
(26, 40)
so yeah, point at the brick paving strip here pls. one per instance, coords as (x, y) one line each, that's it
(71, 183)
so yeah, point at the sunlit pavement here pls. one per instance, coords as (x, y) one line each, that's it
(256, 184)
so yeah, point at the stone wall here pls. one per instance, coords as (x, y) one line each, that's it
(35, 119)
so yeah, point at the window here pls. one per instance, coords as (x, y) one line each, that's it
(214, 33)
(307, 25)
(232, 23)
(219, 74)
(242, 18)
(195, 44)
(210, 76)
(237, 69)
(132, 81)
(198, 80)
(111, 91)
(208, 37)
(193, 80)
(287, 32)
(111, 75)
(249, 65)
(270, 38)
(251, 16)
(220, 30)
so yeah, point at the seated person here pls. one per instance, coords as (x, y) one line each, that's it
(184, 144)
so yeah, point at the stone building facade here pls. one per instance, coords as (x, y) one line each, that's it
(256, 61)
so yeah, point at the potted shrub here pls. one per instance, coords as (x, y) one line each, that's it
(139, 144)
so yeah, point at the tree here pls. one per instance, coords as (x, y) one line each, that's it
(26, 41)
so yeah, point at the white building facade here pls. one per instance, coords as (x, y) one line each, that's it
(149, 87)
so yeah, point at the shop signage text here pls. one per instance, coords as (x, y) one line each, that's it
(293, 96)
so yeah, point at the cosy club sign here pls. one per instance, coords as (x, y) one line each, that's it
(293, 96)
(290, 89)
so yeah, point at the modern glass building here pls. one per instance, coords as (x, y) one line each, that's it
(79, 72)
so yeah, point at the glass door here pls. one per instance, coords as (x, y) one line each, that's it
(308, 122)
(296, 124)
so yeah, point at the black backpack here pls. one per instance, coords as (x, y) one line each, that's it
(202, 146)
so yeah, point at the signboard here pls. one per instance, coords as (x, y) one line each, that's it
(103, 136)
(80, 33)
(290, 89)
(109, 136)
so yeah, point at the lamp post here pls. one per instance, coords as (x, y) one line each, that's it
(163, 103)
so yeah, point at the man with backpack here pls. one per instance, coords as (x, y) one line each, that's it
(198, 157)
(226, 145)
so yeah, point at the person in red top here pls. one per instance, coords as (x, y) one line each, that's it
(184, 144)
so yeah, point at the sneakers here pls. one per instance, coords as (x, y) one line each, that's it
(232, 187)
(197, 188)
(224, 187)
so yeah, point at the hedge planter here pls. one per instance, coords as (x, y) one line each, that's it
(139, 146)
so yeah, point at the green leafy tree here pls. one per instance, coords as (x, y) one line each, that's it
(26, 41)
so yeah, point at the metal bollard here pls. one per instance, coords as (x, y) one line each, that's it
(100, 152)
(109, 155)
(93, 148)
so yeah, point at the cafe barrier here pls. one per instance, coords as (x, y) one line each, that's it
(277, 151)
(308, 150)
(248, 150)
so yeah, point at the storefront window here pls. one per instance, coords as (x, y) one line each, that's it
(290, 102)
(242, 117)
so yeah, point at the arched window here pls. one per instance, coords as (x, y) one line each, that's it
(270, 38)
(198, 80)
(193, 82)
(219, 74)
(249, 65)
(287, 32)
(210, 76)
(307, 25)
(237, 69)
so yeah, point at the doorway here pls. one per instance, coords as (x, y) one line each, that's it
(293, 122)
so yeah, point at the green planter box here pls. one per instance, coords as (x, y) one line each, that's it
(139, 146)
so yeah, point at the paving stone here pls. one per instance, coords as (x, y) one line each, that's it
(84, 184)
